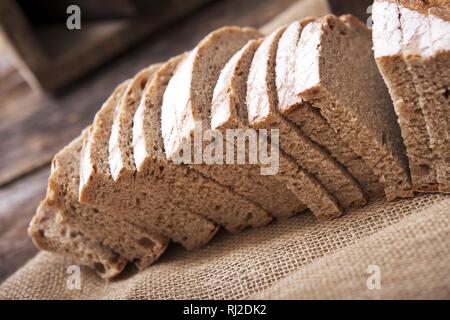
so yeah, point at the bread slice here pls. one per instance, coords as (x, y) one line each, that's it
(92, 237)
(149, 206)
(263, 113)
(192, 190)
(229, 111)
(186, 108)
(120, 141)
(308, 118)
(337, 73)
(434, 91)
(387, 38)
(49, 233)
(412, 52)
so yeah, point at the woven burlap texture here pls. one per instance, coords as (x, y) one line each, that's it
(408, 240)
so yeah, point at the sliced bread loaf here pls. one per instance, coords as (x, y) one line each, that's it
(387, 39)
(434, 89)
(128, 198)
(263, 113)
(229, 111)
(98, 239)
(412, 45)
(337, 73)
(49, 233)
(186, 109)
(192, 190)
(120, 162)
(308, 118)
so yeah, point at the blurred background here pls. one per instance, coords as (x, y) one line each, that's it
(60, 62)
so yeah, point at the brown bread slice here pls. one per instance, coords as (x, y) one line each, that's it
(193, 190)
(229, 111)
(338, 74)
(128, 197)
(389, 54)
(434, 89)
(263, 113)
(187, 106)
(49, 233)
(120, 163)
(424, 31)
(109, 240)
(308, 118)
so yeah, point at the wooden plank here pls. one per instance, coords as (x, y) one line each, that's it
(98, 46)
(49, 69)
(297, 11)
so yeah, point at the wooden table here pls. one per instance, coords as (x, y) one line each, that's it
(34, 128)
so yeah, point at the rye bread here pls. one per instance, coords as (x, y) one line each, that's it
(102, 241)
(308, 118)
(263, 113)
(191, 190)
(121, 163)
(415, 36)
(352, 97)
(186, 108)
(387, 38)
(434, 90)
(49, 233)
(128, 197)
(290, 202)
(229, 111)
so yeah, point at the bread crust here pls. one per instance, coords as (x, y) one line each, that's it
(354, 94)
(308, 118)
(417, 85)
(262, 112)
(188, 97)
(128, 196)
(229, 111)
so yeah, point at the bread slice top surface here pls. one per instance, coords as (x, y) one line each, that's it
(411, 28)
(261, 106)
(285, 65)
(147, 138)
(187, 99)
(229, 108)
(386, 31)
(93, 160)
(352, 96)
(121, 161)
(437, 13)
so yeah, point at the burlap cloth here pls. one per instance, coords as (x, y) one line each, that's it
(408, 240)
